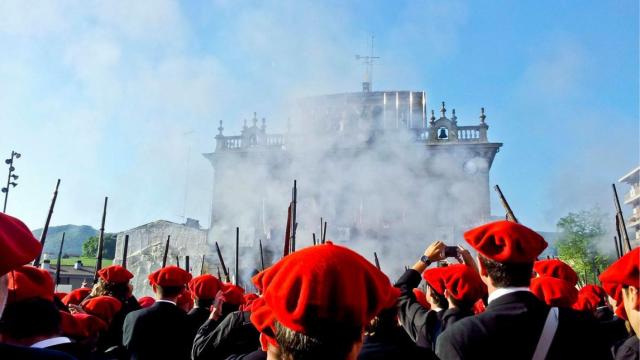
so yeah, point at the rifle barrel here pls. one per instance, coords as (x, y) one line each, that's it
(375, 257)
(237, 274)
(623, 226)
(101, 241)
(294, 206)
(125, 251)
(510, 215)
(202, 266)
(224, 268)
(45, 230)
(324, 233)
(186, 263)
(261, 256)
(59, 260)
(166, 251)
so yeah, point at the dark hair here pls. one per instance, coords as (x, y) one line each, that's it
(30, 318)
(438, 299)
(507, 274)
(462, 305)
(385, 323)
(335, 342)
(169, 291)
(204, 303)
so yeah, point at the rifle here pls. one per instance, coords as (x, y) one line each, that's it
(59, 261)
(177, 261)
(219, 277)
(314, 239)
(510, 215)
(294, 203)
(125, 250)
(615, 241)
(100, 241)
(622, 226)
(287, 235)
(261, 256)
(324, 234)
(43, 236)
(166, 251)
(321, 233)
(224, 268)
(202, 266)
(237, 274)
(375, 257)
(186, 263)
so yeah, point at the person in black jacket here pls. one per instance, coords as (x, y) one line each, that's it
(204, 289)
(422, 325)
(161, 331)
(512, 324)
(233, 335)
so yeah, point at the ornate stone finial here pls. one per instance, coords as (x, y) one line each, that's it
(264, 124)
(255, 119)
(482, 115)
(453, 115)
(443, 110)
(220, 128)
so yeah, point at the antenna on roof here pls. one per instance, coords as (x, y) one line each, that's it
(368, 73)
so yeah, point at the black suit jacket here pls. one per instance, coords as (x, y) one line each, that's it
(510, 329)
(160, 331)
(26, 353)
(197, 317)
(391, 345)
(234, 335)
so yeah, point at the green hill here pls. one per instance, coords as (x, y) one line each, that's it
(75, 235)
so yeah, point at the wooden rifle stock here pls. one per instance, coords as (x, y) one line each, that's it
(510, 215)
(43, 236)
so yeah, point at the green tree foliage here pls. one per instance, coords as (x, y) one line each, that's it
(577, 245)
(90, 246)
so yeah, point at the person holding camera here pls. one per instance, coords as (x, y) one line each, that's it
(450, 290)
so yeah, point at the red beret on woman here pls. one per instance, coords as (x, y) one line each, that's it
(554, 292)
(115, 274)
(169, 276)
(557, 269)
(506, 242)
(28, 282)
(318, 287)
(433, 277)
(17, 244)
(463, 283)
(589, 296)
(75, 297)
(104, 307)
(624, 272)
(205, 286)
(233, 294)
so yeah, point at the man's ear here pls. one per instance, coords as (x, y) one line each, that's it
(634, 296)
(481, 268)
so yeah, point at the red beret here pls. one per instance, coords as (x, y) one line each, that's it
(185, 301)
(433, 277)
(79, 326)
(506, 242)
(479, 307)
(170, 276)
(233, 294)
(248, 301)
(624, 272)
(59, 295)
(104, 307)
(17, 244)
(115, 274)
(463, 283)
(76, 296)
(205, 286)
(28, 282)
(589, 297)
(557, 269)
(421, 297)
(320, 286)
(146, 301)
(554, 292)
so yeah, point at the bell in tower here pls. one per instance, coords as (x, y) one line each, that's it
(443, 134)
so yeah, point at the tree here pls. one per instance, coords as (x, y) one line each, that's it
(579, 234)
(90, 246)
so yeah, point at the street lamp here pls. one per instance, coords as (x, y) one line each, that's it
(11, 178)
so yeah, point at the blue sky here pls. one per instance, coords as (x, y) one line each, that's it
(119, 98)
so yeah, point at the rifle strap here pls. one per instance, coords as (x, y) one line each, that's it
(547, 335)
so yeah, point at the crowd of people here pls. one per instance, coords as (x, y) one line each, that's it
(328, 302)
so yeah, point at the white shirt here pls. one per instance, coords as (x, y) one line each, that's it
(167, 301)
(504, 291)
(51, 342)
